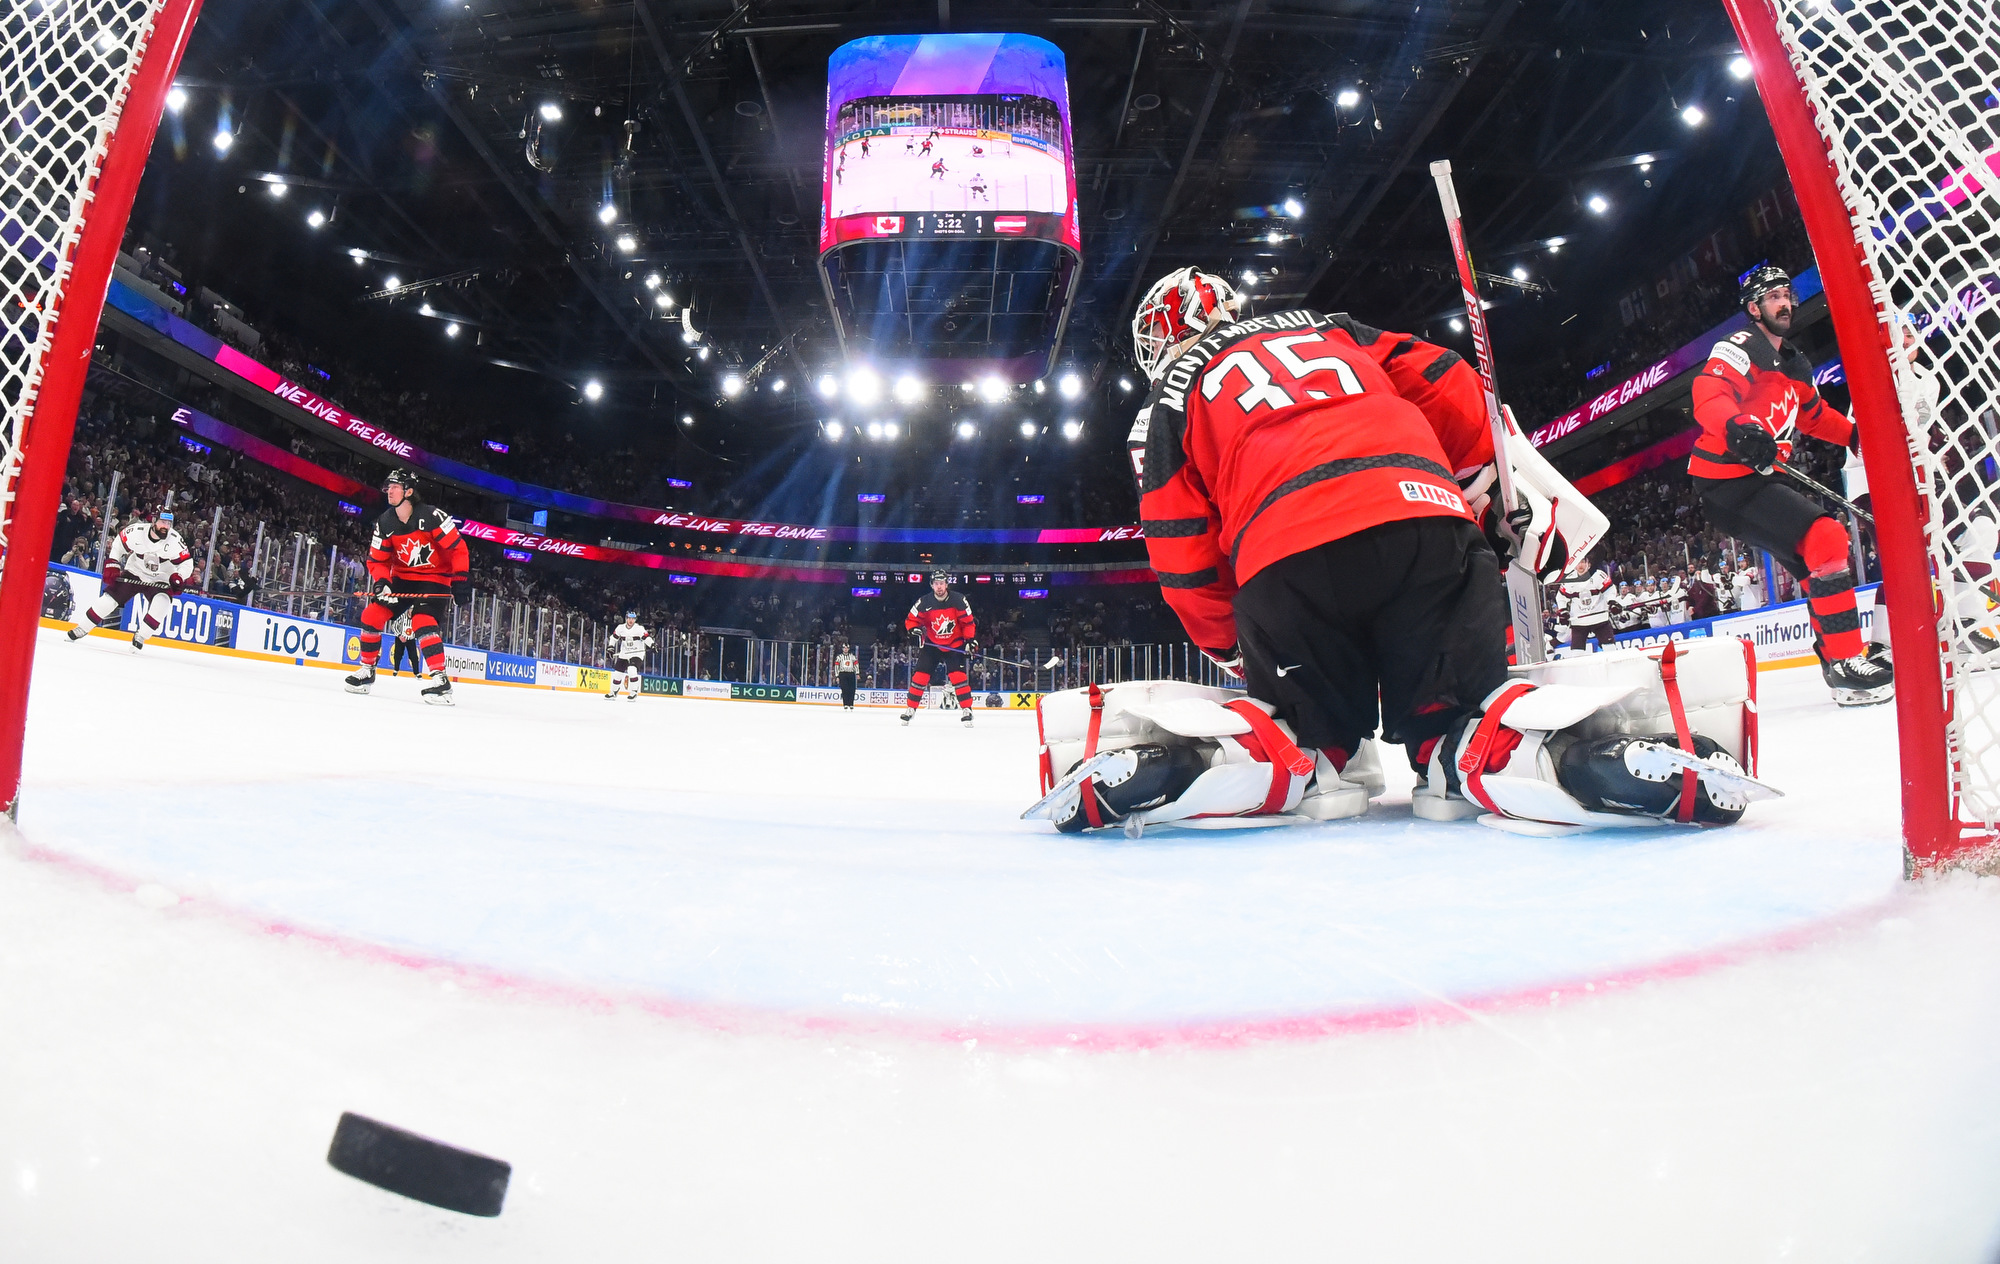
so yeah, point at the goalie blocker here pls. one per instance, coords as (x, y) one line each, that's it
(1624, 739)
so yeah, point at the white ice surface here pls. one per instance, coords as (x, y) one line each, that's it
(831, 893)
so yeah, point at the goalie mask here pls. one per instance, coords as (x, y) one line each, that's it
(1181, 306)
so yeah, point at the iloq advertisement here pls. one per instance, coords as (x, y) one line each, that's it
(264, 633)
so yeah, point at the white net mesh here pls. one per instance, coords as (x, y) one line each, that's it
(1904, 95)
(65, 66)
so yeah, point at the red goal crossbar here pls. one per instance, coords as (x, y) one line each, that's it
(42, 46)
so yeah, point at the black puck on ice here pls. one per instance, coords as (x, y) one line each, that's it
(417, 1167)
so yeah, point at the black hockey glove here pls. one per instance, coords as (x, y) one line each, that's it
(917, 635)
(972, 647)
(461, 592)
(1752, 444)
(385, 593)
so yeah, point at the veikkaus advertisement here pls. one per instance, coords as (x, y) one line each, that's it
(261, 632)
(510, 668)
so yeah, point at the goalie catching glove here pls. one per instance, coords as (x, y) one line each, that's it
(1550, 523)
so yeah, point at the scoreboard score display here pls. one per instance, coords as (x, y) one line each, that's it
(948, 135)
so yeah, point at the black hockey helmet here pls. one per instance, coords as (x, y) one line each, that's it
(940, 575)
(1759, 281)
(403, 476)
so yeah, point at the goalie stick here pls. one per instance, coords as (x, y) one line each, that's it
(1524, 587)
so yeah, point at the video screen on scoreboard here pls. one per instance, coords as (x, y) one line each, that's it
(950, 135)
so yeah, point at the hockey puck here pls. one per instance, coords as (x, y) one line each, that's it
(417, 1167)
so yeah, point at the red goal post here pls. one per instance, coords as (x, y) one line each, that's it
(1885, 113)
(85, 84)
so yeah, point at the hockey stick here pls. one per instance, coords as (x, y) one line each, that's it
(1524, 587)
(1814, 484)
(1051, 665)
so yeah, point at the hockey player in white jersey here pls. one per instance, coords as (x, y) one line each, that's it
(629, 643)
(1585, 594)
(147, 559)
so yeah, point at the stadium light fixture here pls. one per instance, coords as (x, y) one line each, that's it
(627, 242)
(864, 387)
(652, 280)
(778, 385)
(1072, 429)
(1693, 116)
(1040, 386)
(1273, 237)
(551, 112)
(1347, 99)
(1457, 325)
(1557, 243)
(1294, 207)
(316, 219)
(702, 354)
(608, 213)
(967, 430)
(908, 389)
(874, 430)
(1739, 67)
(1597, 204)
(663, 301)
(834, 430)
(593, 390)
(1520, 273)
(992, 389)
(279, 188)
(732, 384)
(1124, 383)
(1249, 278)
(177, 99)
(968, 387)
(829, 385)
(1028, 430)
(357, 254)
(888, 430)
(687, 419)
(392, 282)
(451, 330)
(427, 310)
(223, 140)
(1070, 386)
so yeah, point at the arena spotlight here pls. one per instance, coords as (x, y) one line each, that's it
(732, 384)
(607, 214)
(317, 219)
(863, 386)
(874, 430)
(687, 419)
(279, 188)
(1739, 68)
(551, 112)
(1520, 273)
(1597, 204)
(652, 280)
(451, 330)
(834, 430)
(1124, 383)
(829, 385)
(1072, 430)
(1028, 430)
(967, 430)
(908, 389)
(888, 430)
(1457, 325)
(778, 385)
(701, 354)
(177, 99)
(1040, 386)
(1294, 207)
(1693, 116)
(427, 310)
(627, 242)
(357, 254)
(593, 390)
(663, 301)
(392, 282)
(1070, 386)
(968, 387)
(992, 389)
(223, 140)
(1347, 99)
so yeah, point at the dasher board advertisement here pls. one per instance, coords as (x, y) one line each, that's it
(948, 135)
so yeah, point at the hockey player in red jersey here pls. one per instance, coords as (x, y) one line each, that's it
(941, 621)
(1300, 481)
(416, 561)
(1753, 399)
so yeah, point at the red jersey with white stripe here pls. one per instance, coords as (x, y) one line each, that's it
(424, 555)
(947, 623)
(1273, 435)
(1748, 379)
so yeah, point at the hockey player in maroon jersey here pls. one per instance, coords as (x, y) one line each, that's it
(416, 561)
(1301, 491)
(941, 621)
(1753, 399)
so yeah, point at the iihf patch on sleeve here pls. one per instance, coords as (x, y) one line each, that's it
(1425, 493)
(1732, 355)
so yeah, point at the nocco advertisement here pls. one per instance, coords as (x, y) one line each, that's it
(948, 135)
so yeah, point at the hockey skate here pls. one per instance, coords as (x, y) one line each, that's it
(965, 717)
(138, 642)
(438, 693)
(1860, 681)
(80, 632)
(362, 680)
(908, 714)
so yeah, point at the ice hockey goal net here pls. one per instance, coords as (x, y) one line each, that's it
(1887, 116)
(82, 85)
